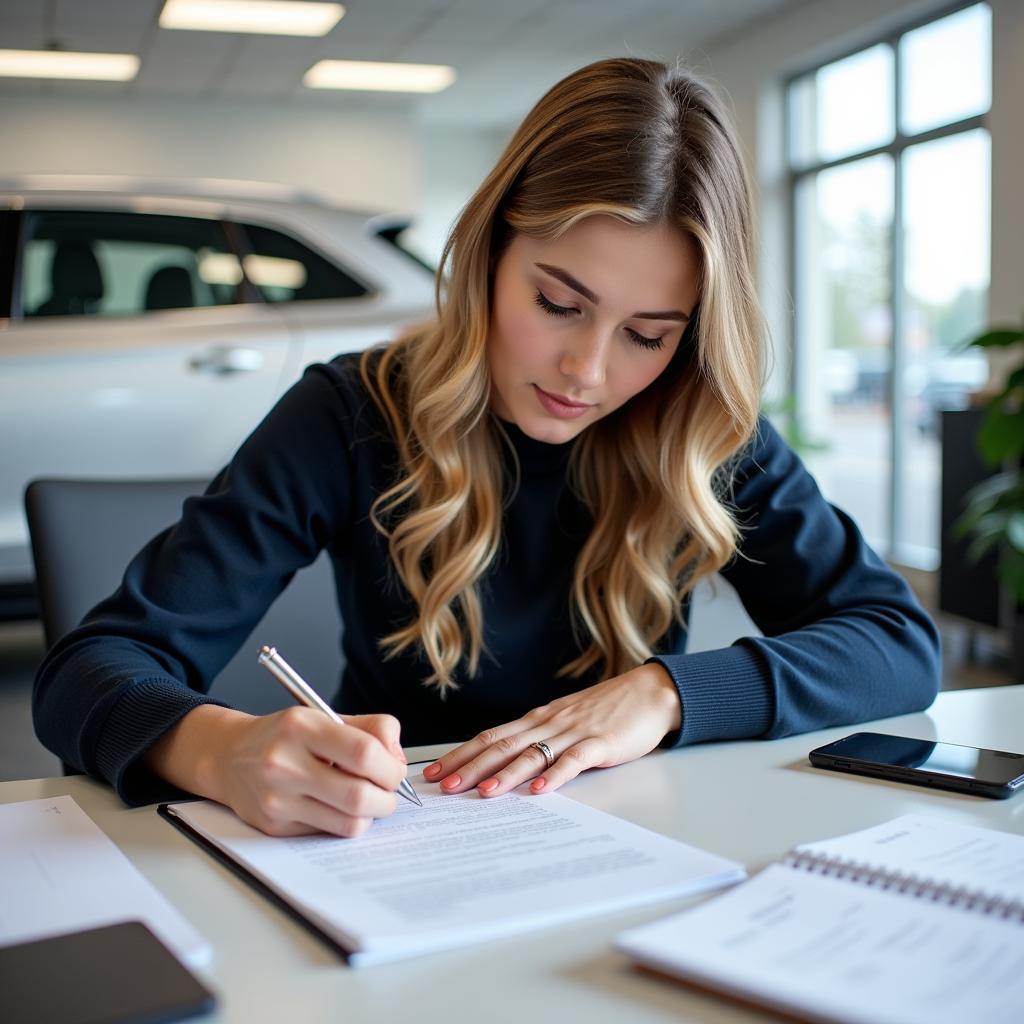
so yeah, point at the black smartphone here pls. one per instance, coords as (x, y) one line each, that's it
(995, 773)
(116, 974)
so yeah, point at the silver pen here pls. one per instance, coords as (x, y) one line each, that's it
(305, 694)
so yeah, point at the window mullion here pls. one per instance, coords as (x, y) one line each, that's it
(898, 352)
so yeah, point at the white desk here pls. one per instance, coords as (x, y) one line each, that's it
(751, 801)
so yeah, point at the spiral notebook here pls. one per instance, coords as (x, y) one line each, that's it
(917, 921)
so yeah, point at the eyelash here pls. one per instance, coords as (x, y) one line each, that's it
(549, 307)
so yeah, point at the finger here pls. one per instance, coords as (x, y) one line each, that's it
(386, 728)
(574, 758)
(494, 758)
(445, 766)
(325, 818)
(529, 763)
(349, 794)
(354, 751)
(588, 753)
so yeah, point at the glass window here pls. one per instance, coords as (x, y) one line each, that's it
(842, 108)
(108, 263)
(945, 283)
(947, 70)
(845, 334)
(879, 326)
(284, 270)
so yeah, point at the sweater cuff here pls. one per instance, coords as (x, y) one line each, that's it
(725, 694)
(142, 714)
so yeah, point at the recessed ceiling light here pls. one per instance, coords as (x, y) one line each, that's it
(102, 67)
(376, 77)
(269, 17)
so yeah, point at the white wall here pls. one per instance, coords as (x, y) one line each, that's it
(751, 68)
(360, 160)
(386, 161)
(453, 163)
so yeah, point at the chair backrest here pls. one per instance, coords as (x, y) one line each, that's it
(84, 533)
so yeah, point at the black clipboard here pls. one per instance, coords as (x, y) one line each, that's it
(242, 872)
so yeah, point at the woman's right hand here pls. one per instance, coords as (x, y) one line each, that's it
(289, 773)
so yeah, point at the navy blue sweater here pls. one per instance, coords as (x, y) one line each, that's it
(845, 640)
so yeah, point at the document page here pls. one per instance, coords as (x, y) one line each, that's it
(937, 850)
(60, 873)
(843, 952)
(462, 868)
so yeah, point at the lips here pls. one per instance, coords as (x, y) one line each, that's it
(563, 400)
(560, 407)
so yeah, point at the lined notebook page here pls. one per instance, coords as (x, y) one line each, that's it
(834, 950)
(935, 850)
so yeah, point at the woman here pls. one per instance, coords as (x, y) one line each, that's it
(518, 499)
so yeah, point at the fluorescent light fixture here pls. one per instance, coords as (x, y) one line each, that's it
(100, 67)
(376, 77)
(267, 17)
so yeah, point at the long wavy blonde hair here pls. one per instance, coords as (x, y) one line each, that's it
(650, 144)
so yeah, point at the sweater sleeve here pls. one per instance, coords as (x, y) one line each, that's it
(844, 640)
(146, 655)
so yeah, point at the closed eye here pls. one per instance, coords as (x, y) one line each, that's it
(549, 307)
(561, 311)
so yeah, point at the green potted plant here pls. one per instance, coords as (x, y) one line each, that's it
(993, 516)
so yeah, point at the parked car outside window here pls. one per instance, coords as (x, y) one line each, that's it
(147, 327)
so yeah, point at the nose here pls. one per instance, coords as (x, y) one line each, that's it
(583, 361)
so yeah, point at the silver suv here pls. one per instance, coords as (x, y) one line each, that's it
(146, 327)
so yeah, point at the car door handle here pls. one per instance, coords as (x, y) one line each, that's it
(223, 360)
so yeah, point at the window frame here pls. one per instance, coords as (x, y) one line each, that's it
(237, 243)
(239, 237)
(894, 149)
(10, 236)
(246, 294)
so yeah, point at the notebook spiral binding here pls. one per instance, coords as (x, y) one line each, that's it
(912, 885)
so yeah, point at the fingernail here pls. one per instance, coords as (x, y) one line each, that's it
(452, 782)
(431, 770)
(486, 787)
(538, 784)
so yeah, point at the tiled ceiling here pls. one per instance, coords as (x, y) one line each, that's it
(506, 52)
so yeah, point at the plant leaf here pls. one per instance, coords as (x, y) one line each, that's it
(1011, 572)
(984, 494)
(999, 338)
(981, 546)
(1015, 531)
(1001, 435)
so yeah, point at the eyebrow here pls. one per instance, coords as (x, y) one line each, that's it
(566, 278)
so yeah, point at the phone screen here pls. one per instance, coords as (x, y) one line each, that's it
(997, 767)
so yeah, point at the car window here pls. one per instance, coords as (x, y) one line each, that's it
(9, 221)
(285, 270)
(105, 263)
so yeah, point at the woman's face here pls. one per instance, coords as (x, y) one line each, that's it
(581, 324)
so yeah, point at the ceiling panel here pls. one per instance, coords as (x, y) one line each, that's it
(505, 52)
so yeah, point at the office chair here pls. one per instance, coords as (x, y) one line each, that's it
(84, 533)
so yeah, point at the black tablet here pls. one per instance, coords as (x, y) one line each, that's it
(116, 974)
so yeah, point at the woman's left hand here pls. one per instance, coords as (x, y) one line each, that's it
(616, 721)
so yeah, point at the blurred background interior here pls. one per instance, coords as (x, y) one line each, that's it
(198, 198)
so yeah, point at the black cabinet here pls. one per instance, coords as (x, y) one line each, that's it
(970, 590)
